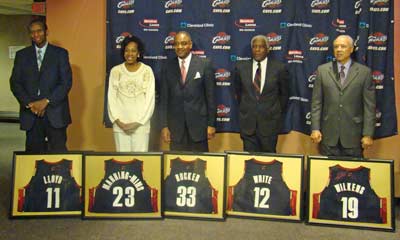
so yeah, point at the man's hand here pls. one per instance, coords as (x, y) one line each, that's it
(166, 135)
(39, 107)
(316, 136)
(210, 132)
(366, 142)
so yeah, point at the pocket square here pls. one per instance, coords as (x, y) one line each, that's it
(197, 75)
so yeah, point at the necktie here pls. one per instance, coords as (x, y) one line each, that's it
(183, 71)
(342, 75)
(257, 81)
(39, 58)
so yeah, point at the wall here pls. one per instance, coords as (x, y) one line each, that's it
(79, 26)
(13, 33)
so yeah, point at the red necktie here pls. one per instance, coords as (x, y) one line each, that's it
(183, 71)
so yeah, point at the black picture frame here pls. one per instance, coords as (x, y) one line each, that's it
(351, 192)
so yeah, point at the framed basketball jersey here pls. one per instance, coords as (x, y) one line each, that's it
(46, 185)
(194, 185)
(351, 192)
(122, 185)
(265, 186)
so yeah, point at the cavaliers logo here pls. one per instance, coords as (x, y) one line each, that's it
(222, 110)
(220, 3)
(271, 4)
(221, 38)
(121, 38)
(319, 39)
(274, 39)
(126, 4)
(377, 38)
(222, 74)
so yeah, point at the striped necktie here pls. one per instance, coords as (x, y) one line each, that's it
(39, 58)
(257, 81)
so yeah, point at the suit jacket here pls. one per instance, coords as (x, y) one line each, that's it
(343, 112)
(191, 103)
(264, 114)
(54, 81)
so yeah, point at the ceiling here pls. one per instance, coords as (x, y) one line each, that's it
(16, 7)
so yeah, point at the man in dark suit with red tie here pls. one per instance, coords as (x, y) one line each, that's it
(188, 108)
(261, 86)
(40, 80)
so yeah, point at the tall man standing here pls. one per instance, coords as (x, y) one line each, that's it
(261, 86)
(343, 104)
(40, 80)
(188, 108)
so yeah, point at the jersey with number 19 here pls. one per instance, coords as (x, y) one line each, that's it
(349, 197)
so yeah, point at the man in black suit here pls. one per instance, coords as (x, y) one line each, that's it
(40, 80)
(188, 109)
(261, 86)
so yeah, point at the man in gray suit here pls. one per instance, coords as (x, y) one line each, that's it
(343, 104)
(261, 86)
(187, 99)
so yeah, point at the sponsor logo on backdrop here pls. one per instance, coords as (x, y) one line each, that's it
(199, 53)
(377, 78)
(295, 56)
(121, 38)
(196, 25)
(274, 41)
(223, 113)
(379, 6)
(363, 25)
(235, 58)
(297, 98)
(288, 25)
(357, 7)
(319, 42)
(150, 25)
(246, 24)
(308, 118)
(377, 41)
(220, 6)
(320, 6)
(173, 6)
(222, 76)
(125, 7)
(311, 79)
(378, 118)
(271, 6)
(169, 41)
(158, 57)
(221, 41)
(340, 25)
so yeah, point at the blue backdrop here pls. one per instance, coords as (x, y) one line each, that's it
(300, 32)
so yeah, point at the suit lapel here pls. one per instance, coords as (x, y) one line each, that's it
(192, 69)
(176, 71)
(48, 55)
(270, 65)
(333, 73)
(351, 75)
(249, 76)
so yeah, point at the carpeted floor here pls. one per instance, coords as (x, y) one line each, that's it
(12, 139)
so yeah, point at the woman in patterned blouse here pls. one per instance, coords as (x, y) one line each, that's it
(131, 97)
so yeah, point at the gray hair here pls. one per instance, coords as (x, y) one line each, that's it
(348, 37)
(261, 37)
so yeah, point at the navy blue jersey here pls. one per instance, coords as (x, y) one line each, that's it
(123, 190)
(52, 188)
(187, 189)
(262, 190)
(348, 197)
